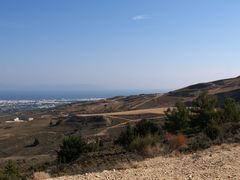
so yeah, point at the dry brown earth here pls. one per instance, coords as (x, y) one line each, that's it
(218, 162)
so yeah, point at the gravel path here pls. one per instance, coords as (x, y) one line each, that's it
(218, 162)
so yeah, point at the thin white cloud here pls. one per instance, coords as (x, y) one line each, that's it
(140, 17)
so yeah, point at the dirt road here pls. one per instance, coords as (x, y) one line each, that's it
(159, 111)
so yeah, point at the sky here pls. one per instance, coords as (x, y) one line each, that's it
(117, 44)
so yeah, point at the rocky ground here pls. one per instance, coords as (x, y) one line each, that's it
(218, 162)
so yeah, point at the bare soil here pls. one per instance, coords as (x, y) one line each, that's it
(217, 162)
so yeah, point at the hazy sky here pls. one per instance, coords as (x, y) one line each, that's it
(117, 44)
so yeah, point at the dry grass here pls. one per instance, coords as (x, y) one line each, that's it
(176, 141)
(40, 176)
(148, 145)
(152, 150)
(133, 112)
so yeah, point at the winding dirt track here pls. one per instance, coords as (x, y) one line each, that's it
(219, 162)
(105, 131)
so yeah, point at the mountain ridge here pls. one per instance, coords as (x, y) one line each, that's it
(221, 88)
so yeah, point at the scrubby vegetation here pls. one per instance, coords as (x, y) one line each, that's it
(142, 144)
(74, 146)
(205, 116)
(205, 120)
(184, 128)
(10, 172)
(71, 148)
(230, 111)
(126, 138)
(178, 119)
(176, 141)
(144, 135)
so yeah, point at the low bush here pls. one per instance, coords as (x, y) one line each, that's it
(126, 137)
(205, 116)
(231, 111)
(213, 131)
(141, 144)
(10, 172)
(74, 146)
(176, 141)
(199, 141)
(232, 132)
(94, 146)
(71, 148)
(144, 128)
(145, 135)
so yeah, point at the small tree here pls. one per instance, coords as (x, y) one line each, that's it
(71, 148)
(177, 119)
(126, 137)
(231, 111)
(204, 109)
(213, 130)
(144, 135)
(144, 128)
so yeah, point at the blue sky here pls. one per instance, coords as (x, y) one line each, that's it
(124, 44)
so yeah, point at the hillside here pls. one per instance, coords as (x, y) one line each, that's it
(219, 162)
(103, 119)
(101, 115)
(221, 88)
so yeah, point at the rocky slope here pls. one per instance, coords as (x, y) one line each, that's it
(219, 162)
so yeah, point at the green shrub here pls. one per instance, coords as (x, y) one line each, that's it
(74, 146)
(177, 119)
(144, 134)
(10, 172)
(200, 141)
(231, 111)
(141, 143)
(95, 146)
(205, 117)
(71, 148)
(213, 131)
(126, 137)
(204, 110)
(144, 128)
(205, 102)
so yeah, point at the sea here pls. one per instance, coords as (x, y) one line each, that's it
(16, 101)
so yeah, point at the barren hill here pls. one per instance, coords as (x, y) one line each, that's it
(221, 88)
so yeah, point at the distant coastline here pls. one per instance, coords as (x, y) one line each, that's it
(13, 101)
(72, 95)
